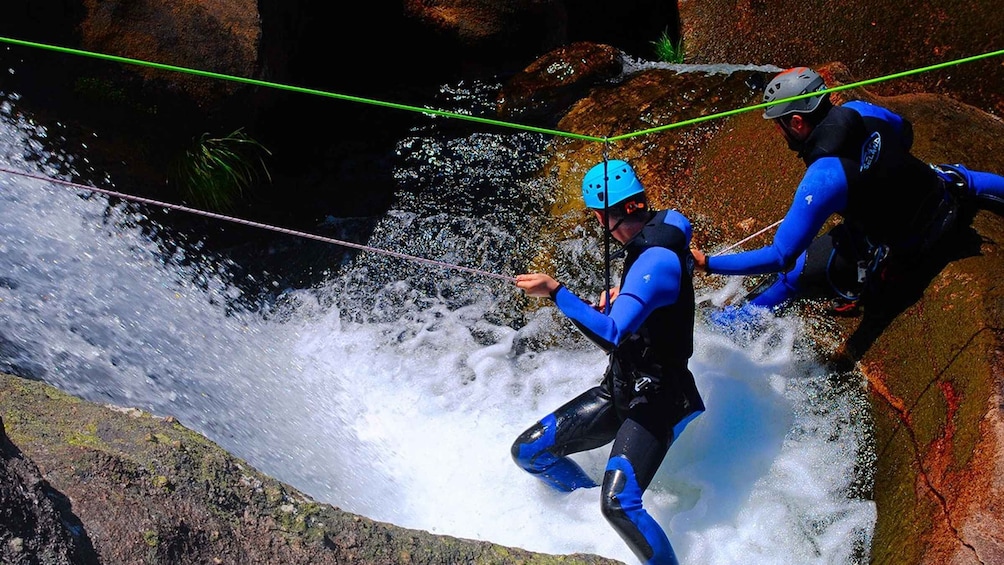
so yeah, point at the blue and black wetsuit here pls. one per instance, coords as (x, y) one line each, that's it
(647, 395)
(893, 204)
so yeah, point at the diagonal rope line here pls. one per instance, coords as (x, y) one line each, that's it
(241, 221)
(749, 237)
(299, 89)
(849, 86)
(489, 121)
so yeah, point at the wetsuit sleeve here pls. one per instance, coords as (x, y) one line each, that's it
(822, 193)
(652, 281)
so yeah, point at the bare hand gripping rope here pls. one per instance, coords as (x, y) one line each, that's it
(214, 215)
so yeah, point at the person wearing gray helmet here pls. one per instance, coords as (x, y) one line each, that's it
(895, 207)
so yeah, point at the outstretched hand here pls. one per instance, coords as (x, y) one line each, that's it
(700, 260)
(537, 284)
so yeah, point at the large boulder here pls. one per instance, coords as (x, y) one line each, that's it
(219, 37)
(544, 90)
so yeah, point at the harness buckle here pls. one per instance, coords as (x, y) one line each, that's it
(954, 181)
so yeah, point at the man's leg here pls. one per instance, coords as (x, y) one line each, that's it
(634, 458)
(586, 422)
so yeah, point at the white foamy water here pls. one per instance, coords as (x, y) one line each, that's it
(386, 399)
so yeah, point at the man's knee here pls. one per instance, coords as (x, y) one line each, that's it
(527, 449)
(618, 498)
(620, 504)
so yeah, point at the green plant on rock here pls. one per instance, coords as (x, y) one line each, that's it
(667, 51)
(215, 171)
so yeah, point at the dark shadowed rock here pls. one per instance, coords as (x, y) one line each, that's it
(543, 91)
(218, 37)
(36, 523)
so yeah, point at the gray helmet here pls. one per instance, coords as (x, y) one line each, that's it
(792, 82)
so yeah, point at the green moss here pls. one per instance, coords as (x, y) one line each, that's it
(151, 538)
(86, 436)
(162, 482)
(155, 437)
(273, 494)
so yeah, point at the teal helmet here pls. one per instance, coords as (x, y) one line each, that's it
(615, 179)
(793, 82)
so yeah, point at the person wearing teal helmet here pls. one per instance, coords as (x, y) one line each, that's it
(647, 395)
(610, 180)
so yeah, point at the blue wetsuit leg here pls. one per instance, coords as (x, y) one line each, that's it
(585, 422)
(828, 268)
(987, 186)
(635, 456)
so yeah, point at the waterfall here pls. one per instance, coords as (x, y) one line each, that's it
(394, 390)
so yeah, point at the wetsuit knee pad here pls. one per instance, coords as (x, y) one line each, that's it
(621, 505)
(530, 445)
(532, 452)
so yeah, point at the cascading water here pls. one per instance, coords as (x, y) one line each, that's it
(394, 390)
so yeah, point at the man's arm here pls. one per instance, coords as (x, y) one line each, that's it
(651, 282)
(822, 193)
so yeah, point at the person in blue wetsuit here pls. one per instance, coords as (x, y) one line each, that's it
(647, 395)
(895, 207)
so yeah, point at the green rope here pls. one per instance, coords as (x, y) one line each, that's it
(500, 123)
(808, 95)
(302, 90)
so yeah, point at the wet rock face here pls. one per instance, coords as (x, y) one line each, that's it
(874, 38)
(518, 31)
(122, 486)
(544, 90)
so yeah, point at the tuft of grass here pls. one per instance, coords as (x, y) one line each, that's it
(666, 51)
(215, 171)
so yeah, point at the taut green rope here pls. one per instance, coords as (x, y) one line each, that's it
(808, 95)
(500, 123)
(302, 90)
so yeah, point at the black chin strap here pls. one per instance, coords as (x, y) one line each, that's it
(628, 242)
